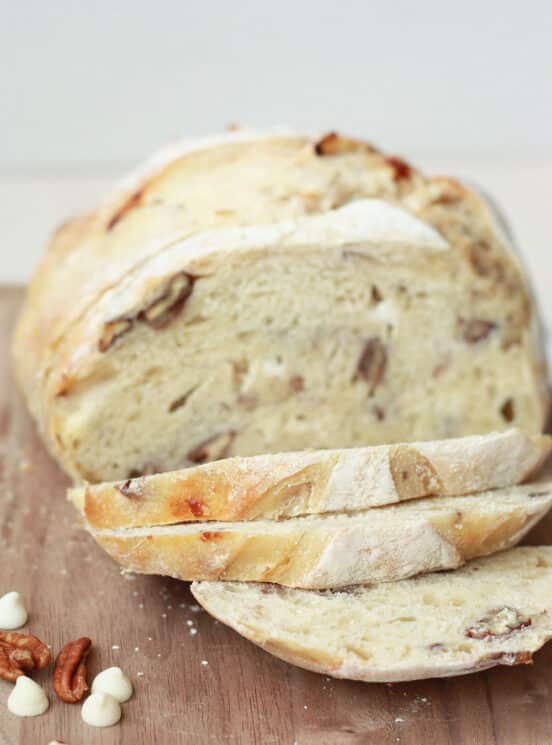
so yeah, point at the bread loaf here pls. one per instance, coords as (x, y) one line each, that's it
(292, 484)
(377, 545)
(493, 611)
(272, 293)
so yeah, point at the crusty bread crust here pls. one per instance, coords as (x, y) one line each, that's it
(379, 545)
(494, 611)
(292, 484)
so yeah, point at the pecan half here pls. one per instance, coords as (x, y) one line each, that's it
(334, 144)
(157, 314)
(372, 363)
(498, 622)
(476, 329)
(20, 653)
(162, 311)
(70, 671)
(212, 449)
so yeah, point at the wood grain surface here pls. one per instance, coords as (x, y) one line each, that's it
(195, 680)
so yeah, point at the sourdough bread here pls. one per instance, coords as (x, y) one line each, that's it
(377, 545)
(493, 611)
(273, 293)
(292, 484)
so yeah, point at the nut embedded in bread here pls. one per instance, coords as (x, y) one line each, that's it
(493, 611)
(274, 293)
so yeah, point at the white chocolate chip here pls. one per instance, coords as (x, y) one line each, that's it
(114, 682)
(101, 710)
(13, 613)
(27, 698)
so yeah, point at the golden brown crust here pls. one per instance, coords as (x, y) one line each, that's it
(333, 551)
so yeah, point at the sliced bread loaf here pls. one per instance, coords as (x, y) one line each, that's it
(494, 611)
(291, 484)
(258, 294)
(383, 544)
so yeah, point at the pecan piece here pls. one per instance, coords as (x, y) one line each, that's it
(372, 363)
(379, 413)
(375, 292)
(213, 448)
(130, 490)
(297, 383)
(182, 400)
(19, 653)
(70, 671)
(334, 144)
(162, 311)
(401, 170)
(498, 622)
(507, 410)
(112, 331)
(413, 474)
(476, 329)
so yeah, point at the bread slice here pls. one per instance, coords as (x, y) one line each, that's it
(291, 484)
(493, 611)
(259, 294)
(383, 544)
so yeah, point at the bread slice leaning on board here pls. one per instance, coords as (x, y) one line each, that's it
(494, 611)
(284, 485)
(265, 293)
(377, 545)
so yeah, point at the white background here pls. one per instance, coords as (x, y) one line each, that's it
(89, 88)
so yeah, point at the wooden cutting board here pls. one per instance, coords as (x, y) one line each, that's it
(197, 681)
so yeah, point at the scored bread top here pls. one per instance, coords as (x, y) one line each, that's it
(493, 611)
(335, 550)
(158, 218)
(290, 484)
